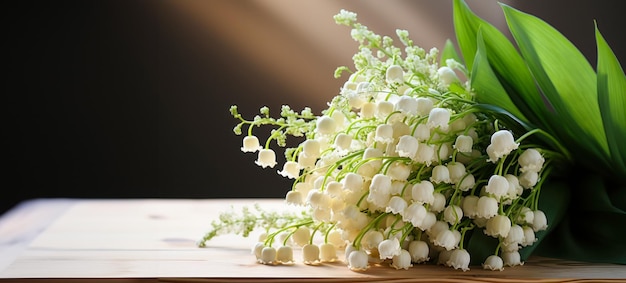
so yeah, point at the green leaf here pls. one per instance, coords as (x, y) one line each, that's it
(487, 86)
(566, 78)
(449, 52)
(612, 101)
(506, 62)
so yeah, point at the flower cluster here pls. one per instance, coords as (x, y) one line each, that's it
(400, 167)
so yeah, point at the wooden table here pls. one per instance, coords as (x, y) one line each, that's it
(72, 240)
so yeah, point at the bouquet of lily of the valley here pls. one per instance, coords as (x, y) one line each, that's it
(482, 157)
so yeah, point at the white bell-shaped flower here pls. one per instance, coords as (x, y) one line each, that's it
(257, 250)
(529, 236)
(389, 248)
(423, 192)
(402, 261)
(456, 171)
(371, 239)
(268, 256)
(526, 216)
(466, 183)
(384, 133)
(446, 239)
(368, 110)
(429, 220)
(528, 179)
(352, 182)
(452, 214)
(419, 251)
(334, 189)
(266, 158)
(443, 257)
(305, 161)
(407, 105)
(424, 105)
(498, 226)
(447, 75)
(414, 213)
(425, 154)
(407, 146)
(440, 174)
(398, 171)
(459, 259)
(358, 260)
(540, 222)
(394, 74)
(515, 189)
(493, 262)
(531, 160)
(343, 142)
(311, 148)
(497, 186)
(325, 125)
(486, 207)
(301, 236)
(421, 132)
(515, 236)
(250, 144)
(284, 255)
(396, 205)
(310, 254)
(294, 197)
(512, 258)
(439, 204)
(328, 252)
(383, 109)
(438, 118)
(436, 228)
(291, 170)
(503, 143)
(379, 193)
(469, 206)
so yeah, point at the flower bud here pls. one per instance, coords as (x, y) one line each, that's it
(447, 75)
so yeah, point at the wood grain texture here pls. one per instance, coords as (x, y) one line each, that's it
(155, 240)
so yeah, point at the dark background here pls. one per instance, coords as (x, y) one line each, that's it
(121, 99)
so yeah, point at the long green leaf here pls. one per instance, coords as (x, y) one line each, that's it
(566, 79)
(507, 64)
(487, 86)
(612, 101)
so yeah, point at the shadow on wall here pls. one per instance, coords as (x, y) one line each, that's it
(128, 99)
